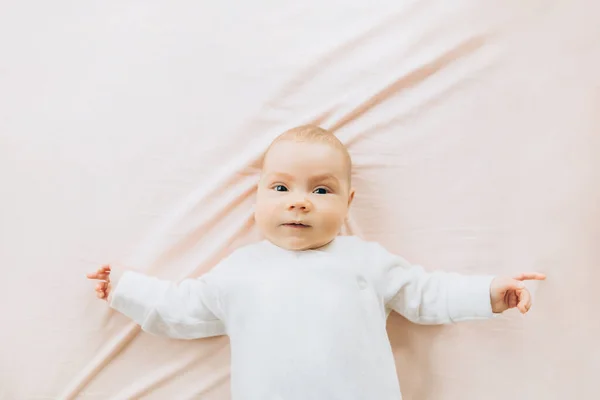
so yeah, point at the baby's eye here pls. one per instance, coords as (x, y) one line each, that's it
(321, 191)
(280, 188)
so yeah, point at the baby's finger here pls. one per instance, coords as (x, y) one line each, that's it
(96, 275)
(527, 276)
(512, 300)
(91, 275)
(524, 301)
(103, 270)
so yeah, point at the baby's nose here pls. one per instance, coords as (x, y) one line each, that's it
(300, 204)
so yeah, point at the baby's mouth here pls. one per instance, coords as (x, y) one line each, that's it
(296, 225)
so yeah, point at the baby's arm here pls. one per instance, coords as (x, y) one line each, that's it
(187, 310)
(435, 297)
(442, 297)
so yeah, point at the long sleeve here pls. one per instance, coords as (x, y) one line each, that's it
(433, 297)
(187, 310)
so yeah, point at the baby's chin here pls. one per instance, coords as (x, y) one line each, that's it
(297, 243)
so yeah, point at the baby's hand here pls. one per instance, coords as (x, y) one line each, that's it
(103, 287)
(508, 293)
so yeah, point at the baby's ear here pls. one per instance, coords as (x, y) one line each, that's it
(350, 197)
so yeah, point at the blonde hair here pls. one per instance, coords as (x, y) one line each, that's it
(313, 133)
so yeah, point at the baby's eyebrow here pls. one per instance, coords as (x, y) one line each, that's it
(315, 178)
(324, 177)
(281, 175)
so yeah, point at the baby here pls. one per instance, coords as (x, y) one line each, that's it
(306, 309)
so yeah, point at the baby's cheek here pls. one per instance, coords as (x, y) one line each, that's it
(334, 217)
(336, 210)
(260, 215)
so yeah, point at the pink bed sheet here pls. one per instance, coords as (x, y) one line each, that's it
(130, 133)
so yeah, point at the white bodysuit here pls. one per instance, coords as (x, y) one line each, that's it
(304, 325)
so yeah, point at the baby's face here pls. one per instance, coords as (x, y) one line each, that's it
(303, 194)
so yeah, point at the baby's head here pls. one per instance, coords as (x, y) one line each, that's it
(305, 189)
